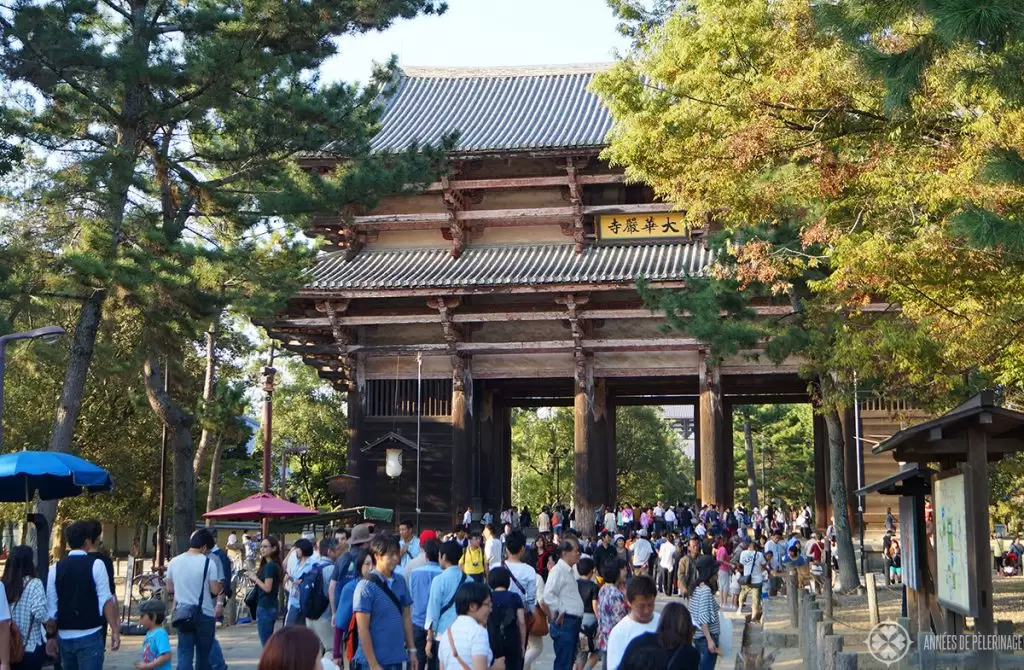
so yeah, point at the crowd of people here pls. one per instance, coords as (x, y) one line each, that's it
(474, 598)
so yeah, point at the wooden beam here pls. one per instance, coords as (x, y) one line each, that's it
(525, 182)
(535, 289)
(548, 346)
(517, 214)
(500, 317)
(949, 446)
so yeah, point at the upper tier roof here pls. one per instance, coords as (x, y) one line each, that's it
(496, 110)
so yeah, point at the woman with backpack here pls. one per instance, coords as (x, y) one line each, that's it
(344, 644)
(506, 625)
(304, 552)
(27, 600)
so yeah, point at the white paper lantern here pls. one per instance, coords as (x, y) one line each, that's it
(393, 465)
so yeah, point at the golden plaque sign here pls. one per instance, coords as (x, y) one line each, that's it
(641, 227)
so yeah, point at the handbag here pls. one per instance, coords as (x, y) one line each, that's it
(252, 600)
(186, 617)
(17, 645)
(538, 624)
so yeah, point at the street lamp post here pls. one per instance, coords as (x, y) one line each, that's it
(47, 334)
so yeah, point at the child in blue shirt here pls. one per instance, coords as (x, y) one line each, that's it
(156, 646)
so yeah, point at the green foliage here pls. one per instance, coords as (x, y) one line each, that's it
(649, 461)
(783, 437)
(308, 412)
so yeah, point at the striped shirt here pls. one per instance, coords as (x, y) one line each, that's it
(704, 610)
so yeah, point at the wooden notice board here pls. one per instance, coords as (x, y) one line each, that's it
(956, 588)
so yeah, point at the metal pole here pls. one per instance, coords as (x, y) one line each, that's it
(268, 417)
(419, 416)
(3, 368)
(860, 469)
(284, 473)
(161, 525)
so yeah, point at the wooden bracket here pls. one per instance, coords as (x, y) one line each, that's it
(454, 202)
(453, 334)
(575, 228)
(343, 337)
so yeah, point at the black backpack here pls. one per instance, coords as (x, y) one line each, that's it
(503, 631)
(313, 601)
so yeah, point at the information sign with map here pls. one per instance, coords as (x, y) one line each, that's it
(953, 541)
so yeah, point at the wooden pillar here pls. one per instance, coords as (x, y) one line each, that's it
(712, 435)
(462, 437)
(728, 456)
(491, 465)
(589, 440)
(611, 481)
(977, 515)
(696, 455)
(358, 465)
(822, 508)
(504, 435)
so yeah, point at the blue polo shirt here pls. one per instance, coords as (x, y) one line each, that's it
(442, 590)
(387, 631)
(419, 585)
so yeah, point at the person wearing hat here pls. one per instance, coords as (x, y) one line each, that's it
(705, 612)
(345, 567)
(421, 559)
(156, 646)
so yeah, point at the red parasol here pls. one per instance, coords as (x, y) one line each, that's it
(259, 506)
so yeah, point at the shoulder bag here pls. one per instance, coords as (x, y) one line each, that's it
(455, 652)
(17, 639)
(186, 617)
(536, 621)
(448, 605)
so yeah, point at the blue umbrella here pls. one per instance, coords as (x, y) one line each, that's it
(52, 475)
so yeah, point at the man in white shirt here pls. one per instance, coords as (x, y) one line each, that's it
(670, 519)
(467, 517)
(642, 551)
(79, 603)
(185, 581)
(492, 547)
(563, 604)
(609, 520)
(666, 562)
(753, 562)
(642, 619)
(778, 551)
(524, 577)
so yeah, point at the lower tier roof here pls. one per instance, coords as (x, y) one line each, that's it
(510, 265)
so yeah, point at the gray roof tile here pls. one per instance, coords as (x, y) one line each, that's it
(509, 265)
(498, 109)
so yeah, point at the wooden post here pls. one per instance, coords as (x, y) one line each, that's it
(977, 515)
(869, 581)
(821, 500)
(814, 619)
(822, 631)
(358, 464)
(712, 433)
(793, 598)
(904, 663)
(831, 647)
(847, 660)
(588, 446)
(804, 599)
(827, 587)
(927, 658)
(462, 436)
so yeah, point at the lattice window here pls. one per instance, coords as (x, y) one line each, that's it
(397, 397)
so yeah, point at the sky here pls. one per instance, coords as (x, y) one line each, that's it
(487, 33)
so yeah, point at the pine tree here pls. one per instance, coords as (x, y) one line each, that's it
(170, 114)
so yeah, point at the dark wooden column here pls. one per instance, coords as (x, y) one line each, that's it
(712, 436)
(728, 456)
(822, 508)
(590, 432)
(358, 465)
(697, 489)
(977, 515)
(504, 433)
(611, 482)
(463, 432)
(491, 463)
